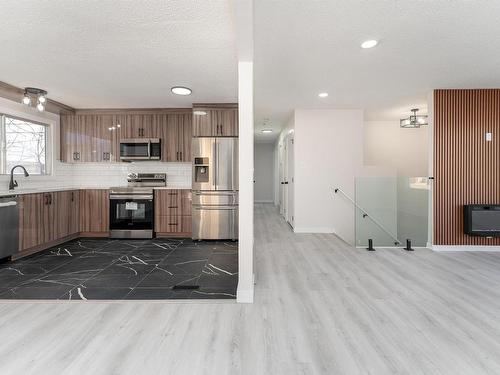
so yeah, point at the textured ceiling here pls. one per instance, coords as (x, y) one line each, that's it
(306, 47)
(110, 53)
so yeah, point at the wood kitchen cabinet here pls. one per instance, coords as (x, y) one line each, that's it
(173, 213)
(46, 218)
(217, 122)
(175, 132)
(136, 126)
(88, 138)
(94, 212)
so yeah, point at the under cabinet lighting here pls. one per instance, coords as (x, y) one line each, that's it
(199, 113)
(267, 130)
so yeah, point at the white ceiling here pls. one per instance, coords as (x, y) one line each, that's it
(109, 53)
(306, 47)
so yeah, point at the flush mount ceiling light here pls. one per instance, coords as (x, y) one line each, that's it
(369, 44)
(414, 120)
(323, 94)
(31, 93)
(267, 130)
(181, 90)
(199, 113)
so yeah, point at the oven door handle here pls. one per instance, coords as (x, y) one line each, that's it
(134, 197)
(149, 148)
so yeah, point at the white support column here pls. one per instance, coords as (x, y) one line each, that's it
(246, 139)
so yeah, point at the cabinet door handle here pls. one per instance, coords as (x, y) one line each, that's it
(50, 199)
(180, 152)
(177, 156)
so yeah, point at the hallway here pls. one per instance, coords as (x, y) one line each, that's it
(321, 307)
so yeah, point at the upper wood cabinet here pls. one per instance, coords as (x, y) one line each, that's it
(217, 122)
(88, 138)
(175, 132)
(95, 137)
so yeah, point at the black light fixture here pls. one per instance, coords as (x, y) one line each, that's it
(41, 98)
(414, 120)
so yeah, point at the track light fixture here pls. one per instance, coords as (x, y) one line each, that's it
(31, 93)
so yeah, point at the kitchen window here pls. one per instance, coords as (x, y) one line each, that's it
(23, 142)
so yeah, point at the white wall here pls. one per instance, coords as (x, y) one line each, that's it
(328, 154)
(264, 172)
(404, 149)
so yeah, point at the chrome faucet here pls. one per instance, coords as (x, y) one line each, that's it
(13, 183)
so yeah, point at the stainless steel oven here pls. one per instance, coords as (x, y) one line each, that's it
(131, 213)
(131, 208)
(140, 149)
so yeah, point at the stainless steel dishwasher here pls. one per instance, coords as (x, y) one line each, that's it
(9, 226)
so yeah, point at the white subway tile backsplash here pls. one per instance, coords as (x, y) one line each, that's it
(102, 175)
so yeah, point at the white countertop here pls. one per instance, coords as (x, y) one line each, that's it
(21, 191)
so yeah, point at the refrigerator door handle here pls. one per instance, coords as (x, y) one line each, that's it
(216, 162)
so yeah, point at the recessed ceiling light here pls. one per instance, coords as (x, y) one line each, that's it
(180, 90)
(267, 130)
(323, 94)
(199, 113)
(369, 43)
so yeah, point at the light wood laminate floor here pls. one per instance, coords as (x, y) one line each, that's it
(321, 308)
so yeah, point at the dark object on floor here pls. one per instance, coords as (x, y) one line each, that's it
(185, 287)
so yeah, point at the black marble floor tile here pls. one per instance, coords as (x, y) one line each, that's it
(223, 264)
(50, 292)
(70, 279)
(88, 262)
(97, 268)
(10, 278)
(108, 293)
(159, 278)
(119, 276)
(148, 256)
(218, 281)
(214, 293)
(181, 266)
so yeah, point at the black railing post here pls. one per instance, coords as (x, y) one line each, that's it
(370, 245)
(408, 245)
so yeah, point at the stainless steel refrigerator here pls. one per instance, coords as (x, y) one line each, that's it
(215, 188)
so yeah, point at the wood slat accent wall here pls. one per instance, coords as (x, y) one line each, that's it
(466, 166)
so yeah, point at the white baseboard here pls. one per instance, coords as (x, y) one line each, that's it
(442, 248)
(313, 230)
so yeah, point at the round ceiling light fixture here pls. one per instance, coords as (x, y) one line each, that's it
(323, 94)
(181, 90)
(369, 43)
(39, 94)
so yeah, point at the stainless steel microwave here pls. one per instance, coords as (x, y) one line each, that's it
(140, 149)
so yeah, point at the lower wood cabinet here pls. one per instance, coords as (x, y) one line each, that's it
(173, 212)
(47, 217)
(94, 212)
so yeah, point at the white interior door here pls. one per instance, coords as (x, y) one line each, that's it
(290, 181)
(281, 161)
